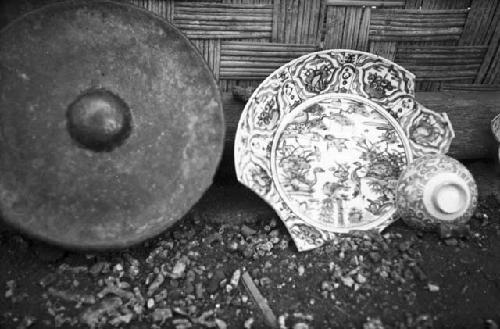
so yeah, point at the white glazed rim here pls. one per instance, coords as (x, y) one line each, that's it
(441, 180)
(292, 114)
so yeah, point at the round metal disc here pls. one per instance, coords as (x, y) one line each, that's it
(111, 124)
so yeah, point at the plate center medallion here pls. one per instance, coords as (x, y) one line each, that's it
(336, 159)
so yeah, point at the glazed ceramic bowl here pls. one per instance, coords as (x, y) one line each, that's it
(495, 127)
(436, 190)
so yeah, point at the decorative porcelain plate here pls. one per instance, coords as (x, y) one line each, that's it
(324, 139)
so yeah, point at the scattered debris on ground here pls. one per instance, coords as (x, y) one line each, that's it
(206, 274)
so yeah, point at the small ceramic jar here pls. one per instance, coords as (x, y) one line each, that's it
(436, 190)
(495, 129)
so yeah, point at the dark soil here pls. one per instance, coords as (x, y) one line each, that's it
(182, 279)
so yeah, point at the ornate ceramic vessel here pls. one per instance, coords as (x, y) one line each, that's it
(324, 138)
(495, 129)
(436, 190)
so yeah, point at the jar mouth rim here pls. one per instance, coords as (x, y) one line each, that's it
(446, 196)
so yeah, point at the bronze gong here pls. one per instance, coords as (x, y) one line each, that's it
(111, 124)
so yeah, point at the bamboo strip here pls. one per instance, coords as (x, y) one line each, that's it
(247, 70)
(393, 30)
(294, 21)
(214, 28)
(443, 49)
(216, 59)
(436, 68)
(364, 28)
(225, 52)
(312, 21)
(211, 9)
(277, 59)
(351, 25)
(379, 3)
(414, 38)
(191, 4)
(445, 75)
(386, 49)
(234, 25)
(264, 52)
(302, 13)
(445, 4)
(245, 45)
(226, 34)
(288, 20)
(321, 23)
(276, 19)
(470, 87)
(334, 26)
(282, 22)
(494, 68)
(494, 23)
(403, 12)
(402, 16)
(233, 18)
(431, 23)
(252, 64)
(431, 61)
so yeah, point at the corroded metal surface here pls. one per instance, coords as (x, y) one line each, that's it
(111, 124)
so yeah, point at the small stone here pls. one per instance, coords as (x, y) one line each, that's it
(419, 273)
(48, 280)
(235, 279)
(233, 246)
(214, 237)
(11, 286)
(408, 274)
(199, 290)
(214, 282)
(433, 287)
(348, 281)
(301, 325)
(161, 315)
(490, 324)
(373, 323)
(404, 246)
(26, 322)
(326, 286)
(220, 324)
(249, 323)
(155, 284)
(97, 268)
(301, 270)
(247, 231)
(375, 256)
(360, 278)
(451, 242)
(265, 281)
(118, 268)
(179, 268)
(248, 253)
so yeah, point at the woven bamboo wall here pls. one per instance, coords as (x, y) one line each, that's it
(448, 44)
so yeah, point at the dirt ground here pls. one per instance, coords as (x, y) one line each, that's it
(191, 276)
